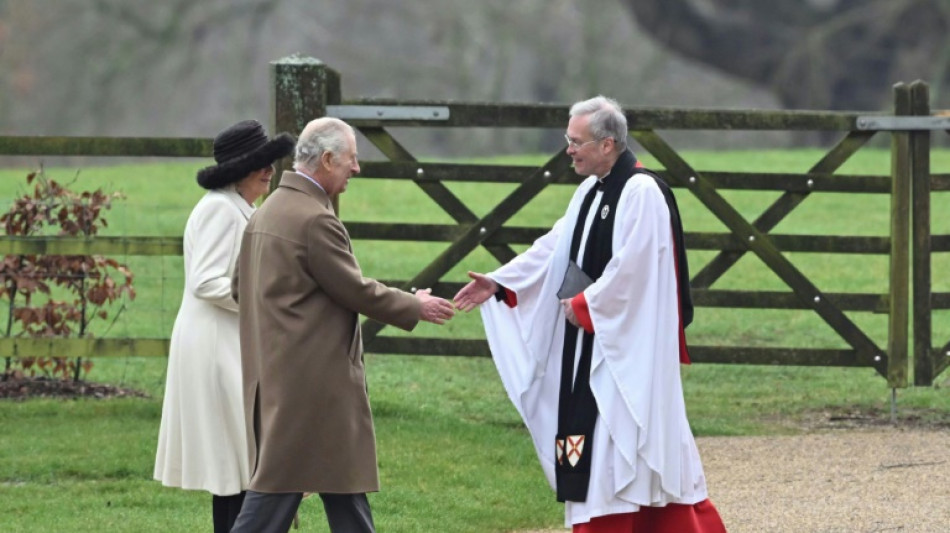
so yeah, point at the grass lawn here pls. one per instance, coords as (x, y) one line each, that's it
(453, 455)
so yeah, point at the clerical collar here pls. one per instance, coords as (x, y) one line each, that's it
(311, 179)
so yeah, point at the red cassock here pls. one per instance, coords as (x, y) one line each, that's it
(674, 518)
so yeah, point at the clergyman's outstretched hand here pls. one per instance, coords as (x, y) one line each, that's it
(475, 292)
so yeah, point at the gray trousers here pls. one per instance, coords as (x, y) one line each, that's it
(274, 513)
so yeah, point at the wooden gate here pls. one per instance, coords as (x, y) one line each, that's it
(373, 117)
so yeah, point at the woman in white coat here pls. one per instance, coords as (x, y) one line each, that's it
(202, 443)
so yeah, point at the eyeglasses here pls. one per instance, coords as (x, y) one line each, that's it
(571, 143)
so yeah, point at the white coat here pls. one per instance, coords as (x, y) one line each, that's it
(202, 443)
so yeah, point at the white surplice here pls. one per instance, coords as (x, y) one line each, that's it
(644, 453)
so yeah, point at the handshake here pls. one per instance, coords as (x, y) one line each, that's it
(438, 310)
(434, 309)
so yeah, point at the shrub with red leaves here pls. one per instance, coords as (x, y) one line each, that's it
(58, 295)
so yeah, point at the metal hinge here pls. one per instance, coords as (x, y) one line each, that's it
(388, 112)
(893, 123)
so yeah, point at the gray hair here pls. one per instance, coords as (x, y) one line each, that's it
(321, 135)
(606, 119)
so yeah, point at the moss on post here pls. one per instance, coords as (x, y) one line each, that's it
(303, 87)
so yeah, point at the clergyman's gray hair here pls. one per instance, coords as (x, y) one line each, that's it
(606, 119)
(325, 134)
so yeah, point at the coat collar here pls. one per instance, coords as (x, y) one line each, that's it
(231, 193)
(292, 180)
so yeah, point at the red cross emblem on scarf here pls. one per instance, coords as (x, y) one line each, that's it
(575, 448)
(559, 450)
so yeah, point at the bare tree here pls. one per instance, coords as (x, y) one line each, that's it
(111, 66)
(838, 54)
(180, 67)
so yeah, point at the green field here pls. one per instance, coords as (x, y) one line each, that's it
(453, 454)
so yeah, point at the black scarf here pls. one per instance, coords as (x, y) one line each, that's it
(577, 408)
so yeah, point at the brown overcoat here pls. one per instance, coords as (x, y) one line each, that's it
(300, 292)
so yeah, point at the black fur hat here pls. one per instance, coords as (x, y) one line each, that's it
(241, 149)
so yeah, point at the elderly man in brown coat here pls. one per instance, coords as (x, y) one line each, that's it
(300, 292)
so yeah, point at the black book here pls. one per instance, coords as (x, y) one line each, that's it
(575, 281)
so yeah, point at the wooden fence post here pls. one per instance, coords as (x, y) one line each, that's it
(920, 186)
(303, 87)
(897, 334)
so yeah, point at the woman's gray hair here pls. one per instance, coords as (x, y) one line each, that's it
(606, 119)
(321, 135)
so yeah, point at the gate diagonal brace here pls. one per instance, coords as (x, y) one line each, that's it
(782, 207)
(763, 248)
(436, 190)
(484, 228)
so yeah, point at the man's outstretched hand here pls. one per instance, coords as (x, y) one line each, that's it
(434, 309)
(475, 292)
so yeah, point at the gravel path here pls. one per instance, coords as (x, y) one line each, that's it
(855, 480)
